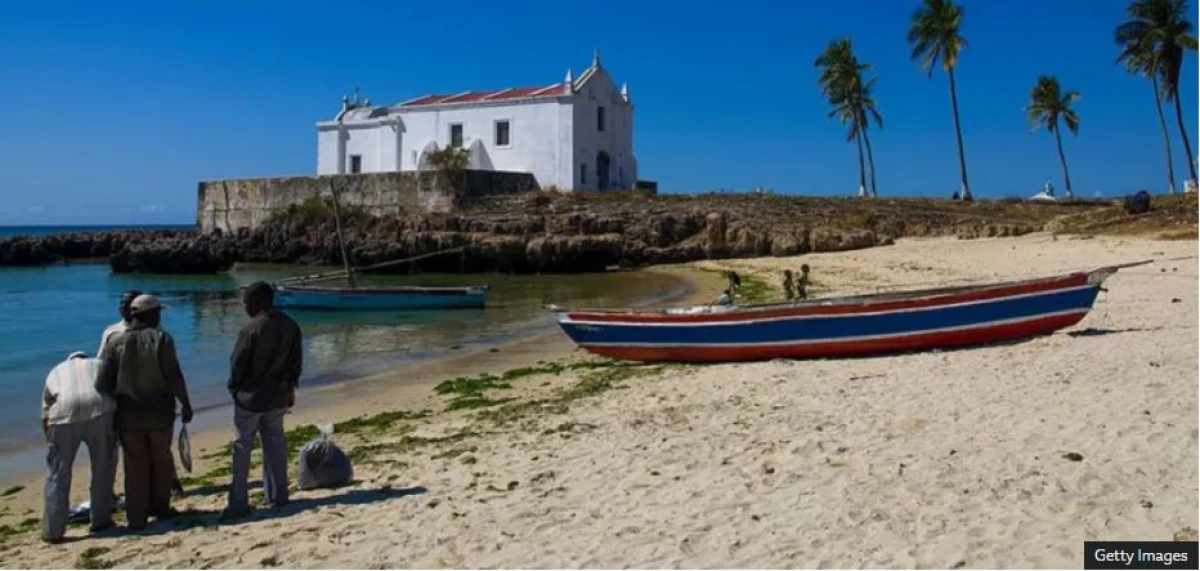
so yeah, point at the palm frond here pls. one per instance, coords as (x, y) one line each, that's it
(1154, 40)
(934, 35)
(1048, 103)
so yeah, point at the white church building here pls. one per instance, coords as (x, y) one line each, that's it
(572, 135)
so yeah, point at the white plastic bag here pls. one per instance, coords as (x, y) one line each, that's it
(185, 449)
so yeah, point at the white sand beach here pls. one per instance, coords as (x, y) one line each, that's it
(932, 460)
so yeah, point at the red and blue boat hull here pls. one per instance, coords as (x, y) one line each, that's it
(845, 327)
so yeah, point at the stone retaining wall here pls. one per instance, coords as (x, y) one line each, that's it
(231, 205)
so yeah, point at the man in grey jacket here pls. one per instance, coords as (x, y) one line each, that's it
(140, 369)
(264, 373)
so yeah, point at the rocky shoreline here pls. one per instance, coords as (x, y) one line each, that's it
(17, 251)
(552, 234)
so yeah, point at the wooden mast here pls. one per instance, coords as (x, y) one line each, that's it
(337, 224)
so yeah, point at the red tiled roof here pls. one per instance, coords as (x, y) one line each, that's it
(495, 95)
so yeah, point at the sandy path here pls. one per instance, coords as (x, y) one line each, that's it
(925, 460)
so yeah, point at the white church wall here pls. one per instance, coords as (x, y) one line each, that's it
(329, 146)
(532, 147)
(616, 140)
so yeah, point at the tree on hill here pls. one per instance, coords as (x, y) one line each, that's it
(1153, 43)
(843, 83)
(1047, 105)
(934, 36)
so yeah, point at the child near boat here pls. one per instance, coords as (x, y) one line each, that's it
(793, 288)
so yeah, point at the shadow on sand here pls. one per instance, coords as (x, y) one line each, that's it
(1098, 331)
(212, 518)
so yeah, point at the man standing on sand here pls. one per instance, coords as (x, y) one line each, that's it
(73, 413)
(264, 373)
(117, 329)
(140, 369)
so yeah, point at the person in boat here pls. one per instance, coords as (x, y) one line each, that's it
(802, 283)
(789, 285)
(140, 369)
(116, 329)
(264, 374)
(726, 297)
(74, 413)
(735, 282)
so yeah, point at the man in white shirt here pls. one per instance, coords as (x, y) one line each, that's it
(119, 327)
(74, 413)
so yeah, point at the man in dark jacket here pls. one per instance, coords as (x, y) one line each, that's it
(140, 369)
(264, 373)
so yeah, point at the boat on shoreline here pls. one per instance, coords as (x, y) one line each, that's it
(297, 293)
(850, 326)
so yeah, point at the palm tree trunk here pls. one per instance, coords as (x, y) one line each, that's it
(962, 158)
(862, 169)
(1063, 159)
(871, 163)
(1162, 122)
(1187, 145)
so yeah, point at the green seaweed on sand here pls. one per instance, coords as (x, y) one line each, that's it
(377, 423)
(754, 289)
(604, 379)
(595, 377)
(90, 559)
(368, 453)
(26, 525)
(474, 401)
(469, 392)
(11, 490)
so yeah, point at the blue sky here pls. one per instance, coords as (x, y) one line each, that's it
(113, 111)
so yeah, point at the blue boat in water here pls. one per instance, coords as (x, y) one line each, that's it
(380, 298)
(295, 293)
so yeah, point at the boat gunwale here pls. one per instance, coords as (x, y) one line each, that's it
(858, 302)
(385, 290)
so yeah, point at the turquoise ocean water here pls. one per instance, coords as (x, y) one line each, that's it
(48, 312)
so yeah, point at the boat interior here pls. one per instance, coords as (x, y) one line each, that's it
(857, 299)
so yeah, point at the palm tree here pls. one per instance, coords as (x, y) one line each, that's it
(933, 35)
(867, 112)
(1048, 104)
(1143, 62)
(1154, 42)
(842, 82)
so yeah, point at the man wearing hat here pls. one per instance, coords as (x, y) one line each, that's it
(117, 329)
(73, 413)
(140, 369)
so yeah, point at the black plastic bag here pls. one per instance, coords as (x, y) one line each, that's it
(1138, 203)
(323, 464)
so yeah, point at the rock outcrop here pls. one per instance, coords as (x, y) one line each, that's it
(42, 250)
(547, 233)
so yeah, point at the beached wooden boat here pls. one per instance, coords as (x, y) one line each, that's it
(840, 327)
(380, 298)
